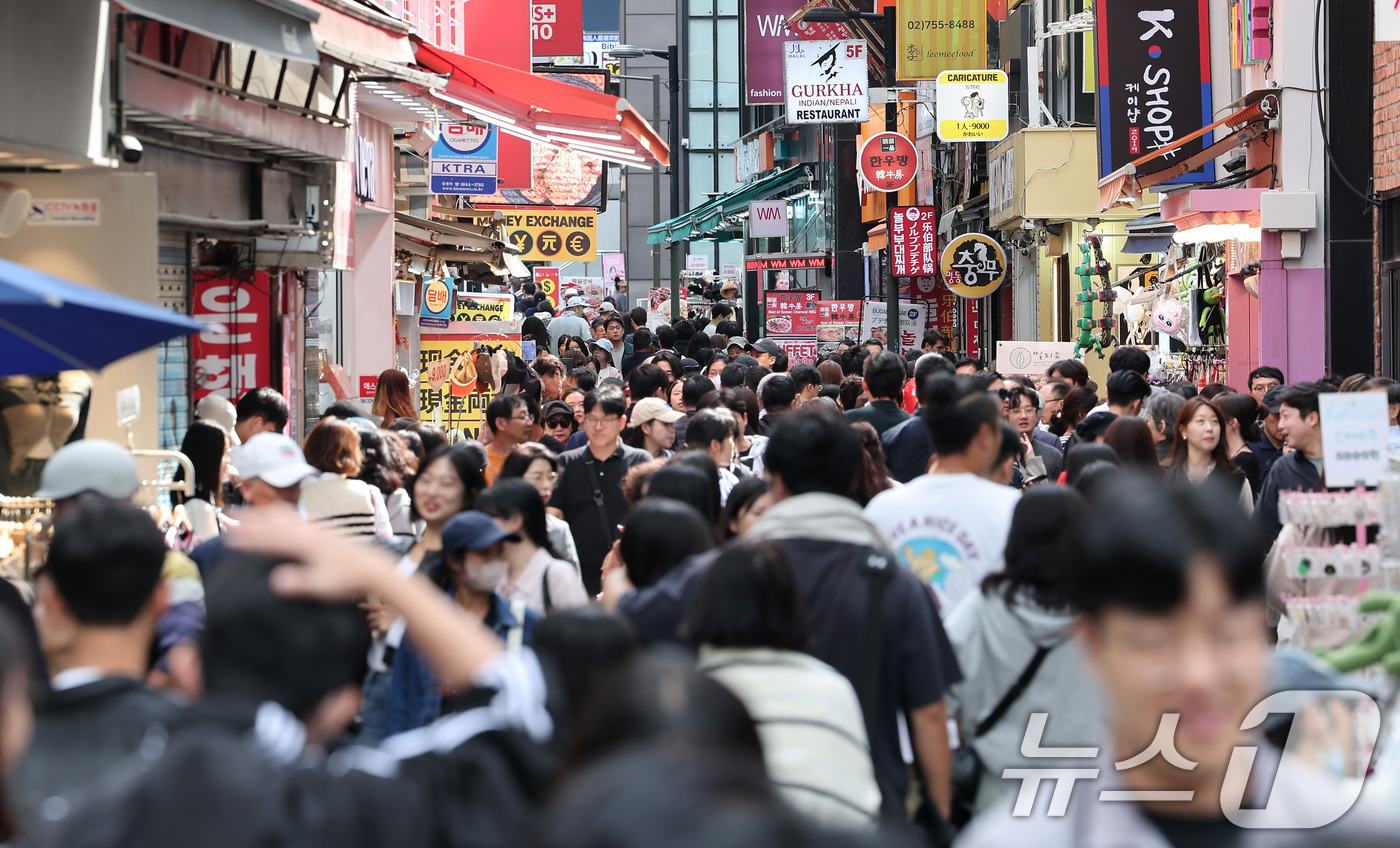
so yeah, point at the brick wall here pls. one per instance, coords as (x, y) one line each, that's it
(1386, 162)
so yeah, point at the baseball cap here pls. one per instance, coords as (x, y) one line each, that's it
(690, 366)
(767, 346)
(738, 340)
(745, 360)
(576, 302)
(219, 410)
(605, 344)
(472, 531)
(653, 409)
(607, 306)
(90, 465)
(272, 458)
(1273, 400)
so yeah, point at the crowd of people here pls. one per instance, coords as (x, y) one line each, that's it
(676, 592)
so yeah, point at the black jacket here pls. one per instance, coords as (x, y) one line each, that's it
(1290, 472)
(907, 449)
(81, 736)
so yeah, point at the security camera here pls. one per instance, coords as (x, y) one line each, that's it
(129, 146)
(685, 142)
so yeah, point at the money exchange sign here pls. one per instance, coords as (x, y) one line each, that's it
(554, 235)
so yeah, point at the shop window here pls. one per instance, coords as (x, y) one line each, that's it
(701, 130)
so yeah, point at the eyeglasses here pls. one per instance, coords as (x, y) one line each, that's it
(595, 422)
(527, 417)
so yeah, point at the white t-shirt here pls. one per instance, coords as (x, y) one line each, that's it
(950, 529)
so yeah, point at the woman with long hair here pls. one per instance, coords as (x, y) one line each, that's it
(874, 476)
(1131, 439)
(1075, 409)
(1241, 413)
(206, 444)
(1199, 454)
(392, 399)
(380, 469)
(539, 466)
(534, 574)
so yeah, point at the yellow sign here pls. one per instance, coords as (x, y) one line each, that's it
(972, 105)
(554, 235)
(941, 35)
(461, 403)
(973, 265)
(483, 307)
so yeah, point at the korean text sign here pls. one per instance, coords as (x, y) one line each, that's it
(941, 35)
(463, 160)
(790, 313)
(1154, 83)
(913, 238)
(235, 356)
(912, 318)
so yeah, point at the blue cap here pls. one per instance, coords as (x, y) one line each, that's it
(472, 531)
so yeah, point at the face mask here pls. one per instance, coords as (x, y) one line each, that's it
(484, 577)
(715, 380)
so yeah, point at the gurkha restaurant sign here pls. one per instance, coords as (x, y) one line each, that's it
(1154, 83)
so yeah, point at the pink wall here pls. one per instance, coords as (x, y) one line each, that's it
(1241, 332)
(1292, 315)
(368, 299)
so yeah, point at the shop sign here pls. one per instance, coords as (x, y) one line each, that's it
(615, 269)
(839, 311)
(912, 317)
(753, 157)
(1355, 438)
(768, 219)
(463, 160)
(558, 235)
(365, 188)
(825, 82)
(436, 310)
(793, 261)
(973, 105)
(233, 356)
(459, 401)
(556, 28)
(888, 161)
(547, 281)
(729, 270)
(973, 265)
(369, 386)
(943, 311)
(800, 350)
(697, 263)
(484, 307)
(1030, 359)
(941, 35)
(765, 32)
(1154, 83)
(913, 238)
(790, 313)
(67, 212)
(1001, 185)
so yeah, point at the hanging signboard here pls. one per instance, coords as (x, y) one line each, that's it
(484, 307)
(768, 219)
(765, 31)
(463, 160)
(913, 238)
(790, 313)
(973, 105)
(973, 265)
(436, 310)
(912, 318)
(234, 354)
(888, 161)
(941, 35)
(943, 311)
(554, 235)
(461, 397)
(1154, 83)
(825, 82)
(1030, 359)
(787, 262)
(556, 28)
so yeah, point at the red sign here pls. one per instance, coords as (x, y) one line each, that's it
(368, 385)
(784, 263)
(556, 28)
(235, 356)
(547, 281)
(839, 311)
(913, 238)
(790, 313)
(888, 161)
(974, 342)
(943, 311)
(502, 35)
(799, 351)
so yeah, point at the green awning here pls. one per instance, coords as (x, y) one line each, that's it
(713, 221)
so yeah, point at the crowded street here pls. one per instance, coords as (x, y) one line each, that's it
(699, 423)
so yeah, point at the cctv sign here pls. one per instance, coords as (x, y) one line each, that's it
(556, 29)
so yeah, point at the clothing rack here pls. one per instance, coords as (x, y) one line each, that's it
(25, 525)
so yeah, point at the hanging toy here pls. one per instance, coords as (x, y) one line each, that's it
(1166, 316)
(1088, 297)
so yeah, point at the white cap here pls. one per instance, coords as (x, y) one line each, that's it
(90, 465)
(219, 410)
(272, 458)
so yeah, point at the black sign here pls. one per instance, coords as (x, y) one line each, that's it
(790, 262)
(1154, 83)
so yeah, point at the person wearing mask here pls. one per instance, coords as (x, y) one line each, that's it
(1161, 411)
(654, 427)
(885, 374)
(508, 422)
(1024, 414)
(392, 398)
(1300, 424)
(750, 624)
(533, 573)
(206, 444)
(776, 392)
(1199, 455)
(1017, 630)
(906, 446)
(539, 466)
(1262, 379)
(1270, 445)
(333, 495)
(1241, 413)
(712, 432)
(588, 493)
(98, 599)
(569, 322)
(949, 526)
(811, 461)
(1071, 371)
(261, 410)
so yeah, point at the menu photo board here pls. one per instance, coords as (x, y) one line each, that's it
(790, 313)
(837, 320)
(801, 350)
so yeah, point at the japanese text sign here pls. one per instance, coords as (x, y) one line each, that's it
(463, 160)
(460, 399)
(888, 161)
(547, 281)
(940, 35)
(912, 318)
(1154, 83)
(913, 238)
(765, 31)
(233, 356)
(973, 265)
(556, 28)
(1355, 437)
(973, 105)
(825, 82)
(790, 313)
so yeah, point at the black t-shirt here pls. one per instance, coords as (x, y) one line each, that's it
(1184, 832)
(573, 495)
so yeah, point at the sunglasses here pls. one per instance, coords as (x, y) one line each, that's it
(558, 422)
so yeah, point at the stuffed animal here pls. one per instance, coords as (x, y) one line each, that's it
(1167, 316)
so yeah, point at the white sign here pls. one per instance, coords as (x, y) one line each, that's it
(1355, 437)
(768, 219)
(65, 212)
(826, 82)
(912, 319)
(729, 270)
(973, 105)
(697, 262)
(1387, 20)
(1030, 359)
(128, 405)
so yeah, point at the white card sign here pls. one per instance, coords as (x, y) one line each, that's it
(826, 82)
(1355, 437)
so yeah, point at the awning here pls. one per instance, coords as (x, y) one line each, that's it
(878, 238)
(279, 28)
(1148, 235)
(544, 110)
(362, 38)
(435, 231)
(1124, 186)
(714, 220)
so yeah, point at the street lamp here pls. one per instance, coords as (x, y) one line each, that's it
(672, 55)
(887, 19)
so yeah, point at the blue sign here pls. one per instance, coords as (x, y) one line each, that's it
(463, 161)
(436, 310)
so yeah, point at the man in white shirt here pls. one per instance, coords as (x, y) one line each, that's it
(950, 525)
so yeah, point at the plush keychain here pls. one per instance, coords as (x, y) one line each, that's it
(1166, 316)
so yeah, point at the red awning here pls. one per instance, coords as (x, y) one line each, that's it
(342, 35)
(531, 107)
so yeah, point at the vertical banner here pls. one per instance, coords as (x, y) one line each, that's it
(765, 30)
(236, 355)
(499, 31)
(1154, 83)
(547, 281)
(913, 238)
(615, 270)
(941, 35)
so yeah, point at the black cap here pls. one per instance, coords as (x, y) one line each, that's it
(767, 346)
(1273, 400)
